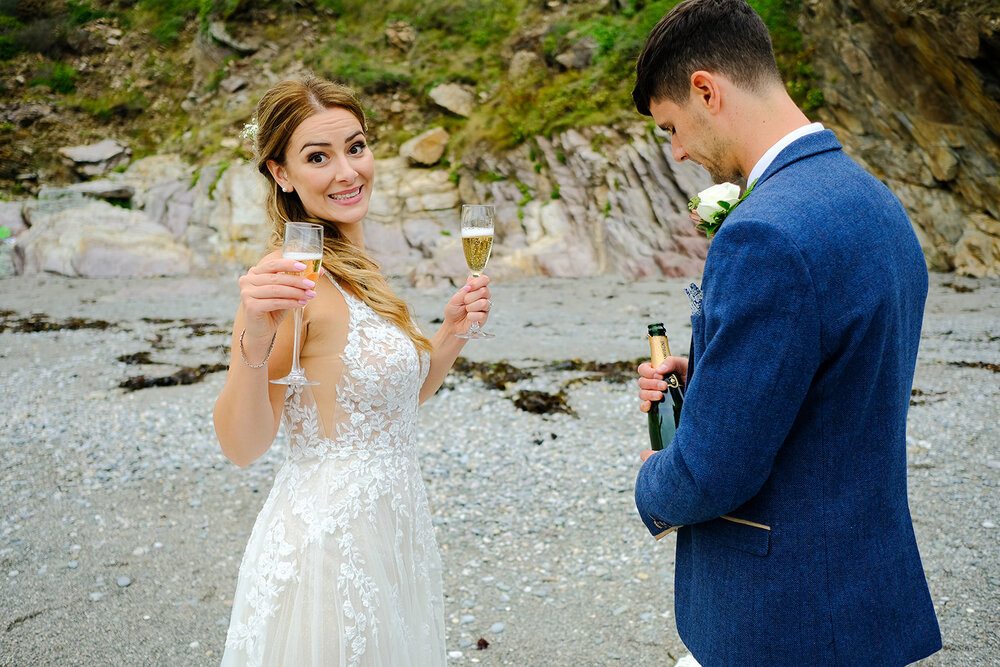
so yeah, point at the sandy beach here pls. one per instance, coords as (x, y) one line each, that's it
(122, 525)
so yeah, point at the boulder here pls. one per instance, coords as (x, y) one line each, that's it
(387, 243)
(978, 251)
(446, 267)
(52, 201)
(426, 148)
(219, 32)
(425, 234)
(580, 55)
(423, 190)
(99, 240)
(432, 201)
(233, 83)
(524, 63)
(8, 260)
(11, 216)
(27, 114)
(97, 159)
(170, 204)
(457, 99)
(400, 35)
(155, 169)
(386, 204)
(238, 218)
(102, 188)
(147, 173)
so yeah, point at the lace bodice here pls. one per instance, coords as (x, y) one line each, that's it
(377, 395)
(347, 510)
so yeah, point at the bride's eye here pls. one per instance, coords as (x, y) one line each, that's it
(316, 158)
(357, 148)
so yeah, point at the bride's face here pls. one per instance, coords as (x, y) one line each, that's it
(329, 164)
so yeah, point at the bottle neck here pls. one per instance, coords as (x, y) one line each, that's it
(659, 349)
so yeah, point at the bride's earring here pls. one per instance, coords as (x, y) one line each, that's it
(284, 189)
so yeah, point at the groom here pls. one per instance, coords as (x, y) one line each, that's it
(788, 470)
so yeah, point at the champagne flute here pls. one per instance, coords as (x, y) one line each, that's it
(303, 243)
(477, 242)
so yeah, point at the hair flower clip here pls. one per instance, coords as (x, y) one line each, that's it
(250, 130)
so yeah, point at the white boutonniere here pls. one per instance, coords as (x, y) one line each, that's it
(712, 205)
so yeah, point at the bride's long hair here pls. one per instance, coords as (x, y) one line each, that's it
(280, 111)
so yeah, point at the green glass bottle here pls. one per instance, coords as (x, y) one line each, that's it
(665, 414)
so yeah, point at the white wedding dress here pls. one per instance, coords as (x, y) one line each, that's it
(342, 567)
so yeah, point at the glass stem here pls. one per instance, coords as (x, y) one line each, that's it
(296, 369)
(475, 325)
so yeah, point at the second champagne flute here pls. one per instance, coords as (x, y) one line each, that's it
(303, 243)
(477, 243)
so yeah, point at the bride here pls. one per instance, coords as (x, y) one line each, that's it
(342, 567)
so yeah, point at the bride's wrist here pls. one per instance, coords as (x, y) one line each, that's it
(256, 347)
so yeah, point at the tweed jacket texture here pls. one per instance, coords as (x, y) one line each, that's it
(794, 428)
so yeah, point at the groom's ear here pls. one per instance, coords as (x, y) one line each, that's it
(705, 91)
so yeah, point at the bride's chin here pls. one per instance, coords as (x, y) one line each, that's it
(337, 215)
(354, 218)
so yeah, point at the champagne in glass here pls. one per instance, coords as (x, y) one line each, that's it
(312, 261)
(477, 242)
(303, 243)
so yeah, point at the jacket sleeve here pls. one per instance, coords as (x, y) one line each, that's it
(761, 350)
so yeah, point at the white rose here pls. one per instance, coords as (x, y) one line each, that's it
(709, 199)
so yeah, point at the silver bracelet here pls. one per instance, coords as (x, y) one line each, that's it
(266, 356)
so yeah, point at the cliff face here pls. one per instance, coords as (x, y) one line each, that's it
(912, 91)
(914, 96)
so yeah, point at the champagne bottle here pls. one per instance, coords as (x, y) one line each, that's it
(664, 414)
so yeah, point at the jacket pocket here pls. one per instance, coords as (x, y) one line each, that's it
(740, 534)
(698, 329)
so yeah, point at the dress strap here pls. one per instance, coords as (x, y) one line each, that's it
(347, 296)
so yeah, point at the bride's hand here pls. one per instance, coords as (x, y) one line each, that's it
(269, 289)
(470, 304)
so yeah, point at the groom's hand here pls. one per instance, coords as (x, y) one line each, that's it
(651, 383)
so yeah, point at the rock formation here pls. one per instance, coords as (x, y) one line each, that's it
(914, 95)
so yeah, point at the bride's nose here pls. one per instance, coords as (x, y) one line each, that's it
(344, 171)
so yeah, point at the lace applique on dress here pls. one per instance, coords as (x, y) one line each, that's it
(342, 566)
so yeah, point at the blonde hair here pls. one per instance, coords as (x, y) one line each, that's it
(280, 111)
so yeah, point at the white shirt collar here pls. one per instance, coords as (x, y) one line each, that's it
(765, 161)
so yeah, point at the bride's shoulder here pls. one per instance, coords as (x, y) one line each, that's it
(329, 304)
(328, 315)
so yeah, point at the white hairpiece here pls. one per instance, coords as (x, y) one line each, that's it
(250, 130)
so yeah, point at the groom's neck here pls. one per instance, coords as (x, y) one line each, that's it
(759, 121)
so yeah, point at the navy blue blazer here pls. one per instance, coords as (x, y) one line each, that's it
(788, 469)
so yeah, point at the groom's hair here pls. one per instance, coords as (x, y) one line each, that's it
(720, 36)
